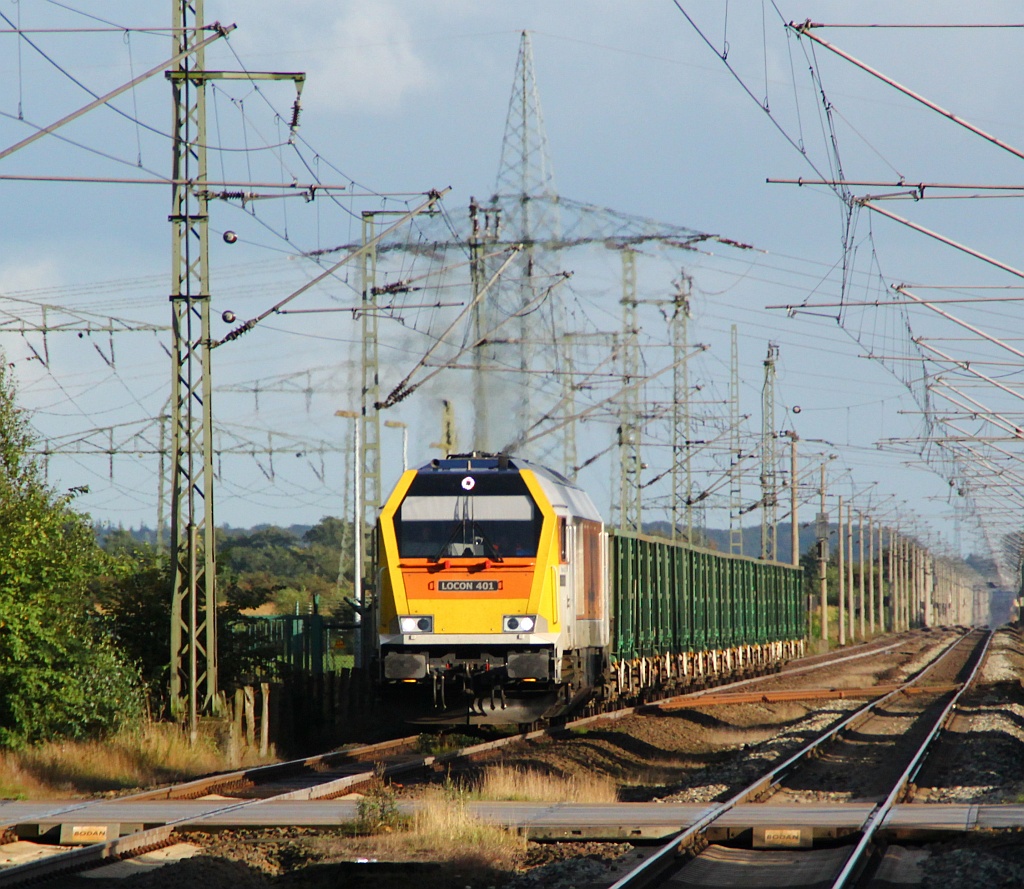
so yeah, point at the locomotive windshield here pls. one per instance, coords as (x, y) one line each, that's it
(464, 515)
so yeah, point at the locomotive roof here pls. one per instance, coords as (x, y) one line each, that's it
(559, 490)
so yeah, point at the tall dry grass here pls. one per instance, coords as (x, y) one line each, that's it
(444, 821)
(529, 785)
(152, 754)
(441, 829)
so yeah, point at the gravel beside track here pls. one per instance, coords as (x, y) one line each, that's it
(980, 759)
(705, 754)
(687, 755)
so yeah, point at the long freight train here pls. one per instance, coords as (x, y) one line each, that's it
(503, 599)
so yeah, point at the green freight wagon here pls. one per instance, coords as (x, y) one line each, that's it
(682, 615)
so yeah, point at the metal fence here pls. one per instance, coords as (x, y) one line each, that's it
(301, 644)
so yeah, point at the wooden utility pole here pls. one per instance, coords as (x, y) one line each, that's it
(881, 581)
(871, 575)
(850, 611)
(860, 584)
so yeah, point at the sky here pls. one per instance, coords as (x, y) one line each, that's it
(674, 113)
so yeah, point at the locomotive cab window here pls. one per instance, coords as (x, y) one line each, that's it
(445, 517)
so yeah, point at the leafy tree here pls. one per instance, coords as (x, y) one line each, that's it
(136, 601)
(250, 590)
(60, 673)
(266, 566)
(330, 532)
(269, 550)
(135, 597)
(274, 566)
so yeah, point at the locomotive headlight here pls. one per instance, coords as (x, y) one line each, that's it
(518, 623)
(416, 623)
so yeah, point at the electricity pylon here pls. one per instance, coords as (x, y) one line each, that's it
(527, 214)
(525, 168)
(525, 177)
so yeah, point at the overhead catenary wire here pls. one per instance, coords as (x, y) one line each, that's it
(432, 199)
(219, 32)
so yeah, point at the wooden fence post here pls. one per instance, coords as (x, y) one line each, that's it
(250, 716)
(264, 718)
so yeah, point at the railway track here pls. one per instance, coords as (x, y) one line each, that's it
(313, 778)
(888, 736)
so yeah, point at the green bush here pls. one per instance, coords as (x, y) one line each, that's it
(60, 673)
(377, 811)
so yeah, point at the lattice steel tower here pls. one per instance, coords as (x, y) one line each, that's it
(525, 167)
(525, 191)
(193, 685)
(630, 514)
(369, 413)
(681, 509)
(193, 668)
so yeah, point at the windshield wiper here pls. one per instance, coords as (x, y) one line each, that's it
(494, 556)
(487, 542)
(459, 526)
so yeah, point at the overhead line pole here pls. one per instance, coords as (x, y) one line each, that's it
(850, 611)
(630, 434)
(193, 656)
(823, 554)
(682, 428)
(736, 472)
(841, 535)
(769, 468)
(193, 673)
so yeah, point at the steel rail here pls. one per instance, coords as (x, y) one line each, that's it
(139, 841)
(805, 694)
(97, 853)
(201, 786)
(650, 869)
(881, 812)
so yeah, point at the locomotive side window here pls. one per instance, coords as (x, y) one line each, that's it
(444, 518)
(593, 576)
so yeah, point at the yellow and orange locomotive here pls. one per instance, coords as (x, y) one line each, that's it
(492, 588)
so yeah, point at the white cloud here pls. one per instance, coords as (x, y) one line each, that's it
(358, 56)
(372, 63)
(27, 278)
